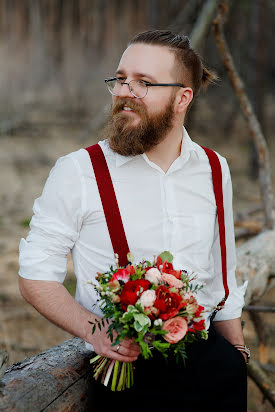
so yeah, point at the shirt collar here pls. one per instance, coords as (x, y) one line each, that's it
(187, 146)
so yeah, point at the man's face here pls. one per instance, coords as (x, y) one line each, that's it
(135, 131)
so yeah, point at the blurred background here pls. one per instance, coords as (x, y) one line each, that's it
(54, 56)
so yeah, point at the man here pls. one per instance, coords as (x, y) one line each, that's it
(163, 185)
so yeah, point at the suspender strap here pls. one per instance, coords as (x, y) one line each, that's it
(109, 203)
(217, 186)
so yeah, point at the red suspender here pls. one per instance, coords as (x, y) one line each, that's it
(113, 218)
(217, 186)
(109, 203)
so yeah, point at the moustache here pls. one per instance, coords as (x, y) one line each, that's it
(132, 104)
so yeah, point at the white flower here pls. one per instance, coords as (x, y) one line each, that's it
(153, 275)
(148, 298)
(158, 322)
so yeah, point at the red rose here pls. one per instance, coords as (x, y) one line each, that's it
(168, 303)
(130, 292)
(168, 268)
(197, 326)
(130, 269)
(199, 311)
(159, 262)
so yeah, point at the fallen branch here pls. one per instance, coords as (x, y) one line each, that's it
(248, 112)
(256, 263)
(4, 359)
(246, 213)
(244, 233)
(262, 334)
(264, 383)
(266, 309)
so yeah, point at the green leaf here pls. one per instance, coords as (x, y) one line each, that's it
(140, 307)
(143, 320)
(93, 331)
(166, 256)
(161, 346)
(138, 327)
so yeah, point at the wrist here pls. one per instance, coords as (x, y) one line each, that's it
(244, 350)
(89, 322)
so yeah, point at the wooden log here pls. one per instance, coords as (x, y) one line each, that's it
(256, 263)
(55, 380)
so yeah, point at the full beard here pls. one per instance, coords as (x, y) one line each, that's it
(128, 140)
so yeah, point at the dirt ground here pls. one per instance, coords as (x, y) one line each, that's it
(26, 157)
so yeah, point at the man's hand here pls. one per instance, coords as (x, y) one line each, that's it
(128, 350)
(53, 301)
(232, 331)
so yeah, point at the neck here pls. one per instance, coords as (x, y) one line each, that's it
(168, 150)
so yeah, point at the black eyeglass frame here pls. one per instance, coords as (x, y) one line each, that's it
(147, 84)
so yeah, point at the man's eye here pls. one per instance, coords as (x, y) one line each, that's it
(144, 81)
(120, 79)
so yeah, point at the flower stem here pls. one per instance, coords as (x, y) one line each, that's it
(109, 372)
(114, 381)
(100, 367)
(121, 378)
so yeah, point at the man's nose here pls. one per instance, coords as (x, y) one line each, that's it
(125, 91)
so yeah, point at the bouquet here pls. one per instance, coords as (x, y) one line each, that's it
(152, 303)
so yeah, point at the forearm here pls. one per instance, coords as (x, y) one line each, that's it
(231, 330)
(54, 302)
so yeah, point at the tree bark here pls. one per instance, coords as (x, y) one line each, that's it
(54, 380)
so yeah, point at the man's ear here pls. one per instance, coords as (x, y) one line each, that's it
(183, 99)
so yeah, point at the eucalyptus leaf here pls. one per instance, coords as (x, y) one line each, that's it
(166, 256)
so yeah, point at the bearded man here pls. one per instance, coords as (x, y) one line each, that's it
(163, 184)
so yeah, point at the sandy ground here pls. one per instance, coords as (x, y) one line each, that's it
(25, 161)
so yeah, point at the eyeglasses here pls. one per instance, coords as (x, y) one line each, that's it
(138, 88)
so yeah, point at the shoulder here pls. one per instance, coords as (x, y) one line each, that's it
(82, 161)
(203, 157)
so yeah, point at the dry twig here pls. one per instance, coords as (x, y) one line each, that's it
(248, 112)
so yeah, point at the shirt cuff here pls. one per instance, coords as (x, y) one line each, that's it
(232, 308)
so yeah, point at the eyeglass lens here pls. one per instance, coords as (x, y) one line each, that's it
(137, 88)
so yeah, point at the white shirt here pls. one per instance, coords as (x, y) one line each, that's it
(174, 211)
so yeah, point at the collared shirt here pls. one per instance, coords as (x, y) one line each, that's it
(174, 211)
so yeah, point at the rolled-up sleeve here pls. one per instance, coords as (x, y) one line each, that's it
(235, 301)
(55, 225)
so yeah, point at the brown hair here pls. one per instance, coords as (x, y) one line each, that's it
(189, 68)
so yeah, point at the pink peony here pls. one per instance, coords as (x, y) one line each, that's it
(153, 275)
(148, 298)
(172, 280)
(177, 328)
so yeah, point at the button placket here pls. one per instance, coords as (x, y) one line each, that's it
(170, 211)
